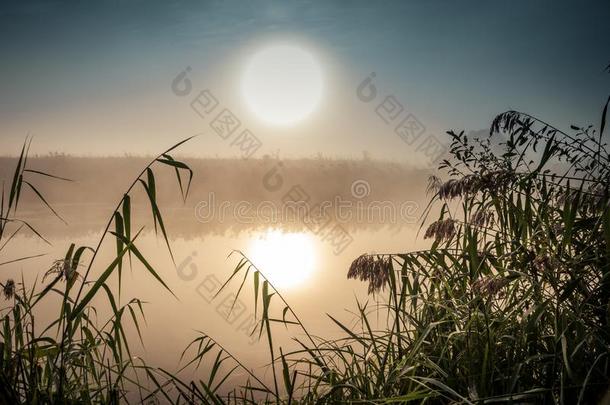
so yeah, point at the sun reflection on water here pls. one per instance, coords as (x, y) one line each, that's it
(287, 259)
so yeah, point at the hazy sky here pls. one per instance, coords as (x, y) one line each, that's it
(95, 77)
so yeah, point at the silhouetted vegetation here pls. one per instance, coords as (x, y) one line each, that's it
(76, 357)
(510, 304)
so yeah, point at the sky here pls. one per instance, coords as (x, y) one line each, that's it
(95, 78)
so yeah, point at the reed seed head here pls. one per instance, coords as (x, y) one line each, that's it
(374, 269)
(443, 229)
(489, 286)
(8, 289)
(470, 184)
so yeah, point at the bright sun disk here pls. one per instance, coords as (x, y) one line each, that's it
(282, 84)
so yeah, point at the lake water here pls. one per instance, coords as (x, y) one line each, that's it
(307, 259)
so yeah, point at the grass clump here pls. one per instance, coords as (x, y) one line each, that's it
(76, 357)
(510, 304)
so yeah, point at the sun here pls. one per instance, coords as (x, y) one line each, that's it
(282, 84)
(286, 259)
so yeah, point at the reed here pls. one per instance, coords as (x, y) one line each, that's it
(76, 358)
(510, 304)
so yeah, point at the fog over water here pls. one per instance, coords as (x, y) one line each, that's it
(233, 204)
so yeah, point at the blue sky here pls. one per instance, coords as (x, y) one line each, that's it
(93, 78)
